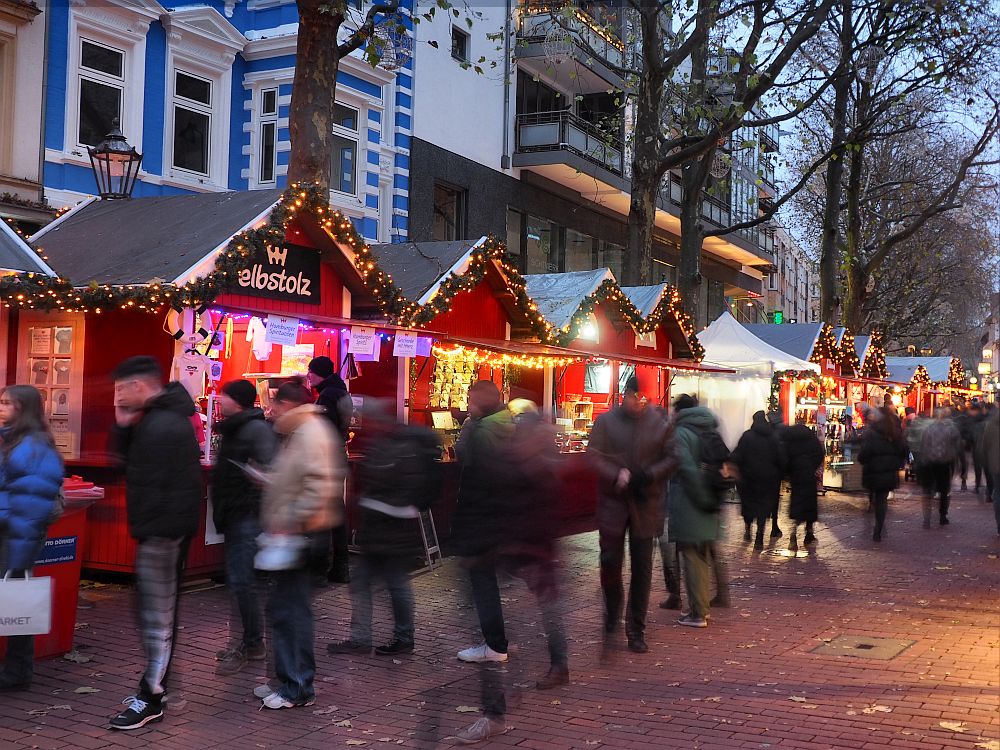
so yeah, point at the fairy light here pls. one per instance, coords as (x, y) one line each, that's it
(499, 359)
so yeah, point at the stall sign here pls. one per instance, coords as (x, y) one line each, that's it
(288, 272)
(362, 340)
(405, 344)
(61, 549)
(282, 330)
(829, 366)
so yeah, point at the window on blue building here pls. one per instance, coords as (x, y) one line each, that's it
(192, 122)
(344, 171)
(268, 134)
(102, 80)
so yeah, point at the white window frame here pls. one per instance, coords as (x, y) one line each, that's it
(266, 118)
(99, 77)
(123, 31)
(360, 137)
(192, 105)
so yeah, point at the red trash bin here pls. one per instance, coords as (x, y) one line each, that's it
(60, 559)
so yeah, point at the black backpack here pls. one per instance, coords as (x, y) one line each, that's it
(714, 454)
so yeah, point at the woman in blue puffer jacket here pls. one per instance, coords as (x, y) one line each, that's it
(31, 475)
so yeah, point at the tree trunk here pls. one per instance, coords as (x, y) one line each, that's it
(693, 178)
(646, 178)
(829, 268)
(310, 118)
(855, 277)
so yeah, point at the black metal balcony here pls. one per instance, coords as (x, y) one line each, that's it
(562, 131)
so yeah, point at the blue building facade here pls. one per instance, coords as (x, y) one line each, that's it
(203, 89)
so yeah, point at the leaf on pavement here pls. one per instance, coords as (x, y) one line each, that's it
(344, 723)
(876, 709)
(467, 710)
(357, 742)
(84, 690)
(989, 745)
(325, 711)
(77, 657)
(954, 726)
(797, 698)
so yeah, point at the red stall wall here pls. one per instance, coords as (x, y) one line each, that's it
(476, 313)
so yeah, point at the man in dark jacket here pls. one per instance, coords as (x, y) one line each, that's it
(760, 458)
(941, 448)
(333, 397)
(399, 476)
(882, 455)
(633, 452)
(247, 441)
(805, 458)
(155, 439)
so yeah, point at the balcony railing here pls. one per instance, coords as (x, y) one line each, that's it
(538, 19)
(562, 130)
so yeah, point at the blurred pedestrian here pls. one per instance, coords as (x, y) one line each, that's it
(633, 451)
(299, 499)
(941, 449)
(530, 552)
(977, 423)
(963, 423)
(399, 476)
(991, 458)
(693, 508)
(480, 526)
(882, 456)
(760, 458)
(805, 457)
(163, 491)
(247, 442)
(31, 476)
(329, 553)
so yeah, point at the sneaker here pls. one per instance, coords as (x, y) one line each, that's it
(671, 602)
(256, 653)
(483, 729)
(638, 645)
(395, 646)
(555, 677)
(232, 663)
(349, 647)
(277, 701)
(227, 652)
(480, 654)
(262, 691)
(138, 714)
(693, 621)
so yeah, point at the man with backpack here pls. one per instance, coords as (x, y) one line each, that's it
(632, 449)
(693, 503)
(941, 446)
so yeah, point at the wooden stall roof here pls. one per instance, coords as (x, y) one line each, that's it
(147, 240)
(559, 295)
(417, 268)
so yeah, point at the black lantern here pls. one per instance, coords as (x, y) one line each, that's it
(115, 164)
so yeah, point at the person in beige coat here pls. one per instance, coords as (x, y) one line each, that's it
(299, 500)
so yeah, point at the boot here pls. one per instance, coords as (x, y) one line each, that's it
(746, 533)
(775, 531)
(810, 536)
(793, 543)
(758, 543)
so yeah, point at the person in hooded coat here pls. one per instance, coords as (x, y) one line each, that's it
(760, 458)
(805, 457)
(31, 475)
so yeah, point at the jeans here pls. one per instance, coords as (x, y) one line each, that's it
(159, 563)
(240, 548)
(640, 552)
(720, 573)
(19, 665)
(937, 479)
(290, 616)
(391, 569)
(671, 566)
(697, 571)
(486, 596)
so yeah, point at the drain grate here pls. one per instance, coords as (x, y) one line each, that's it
(863, 646)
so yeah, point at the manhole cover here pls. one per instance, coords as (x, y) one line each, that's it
(863, 646)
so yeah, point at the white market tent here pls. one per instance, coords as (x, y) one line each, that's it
(735, 398)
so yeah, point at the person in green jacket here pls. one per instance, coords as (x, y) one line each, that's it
(693, 513)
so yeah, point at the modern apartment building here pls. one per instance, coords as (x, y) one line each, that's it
(791, 282)
(535, 149)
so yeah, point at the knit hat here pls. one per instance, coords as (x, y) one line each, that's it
(322, 366)
(632, 384)
(685, 401)
(242, 392)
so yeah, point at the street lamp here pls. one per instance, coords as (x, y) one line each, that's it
(115, 164)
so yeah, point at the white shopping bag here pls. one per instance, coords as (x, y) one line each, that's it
(25, 605)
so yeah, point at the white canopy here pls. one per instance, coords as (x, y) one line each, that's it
(734, 398)
(729, 344)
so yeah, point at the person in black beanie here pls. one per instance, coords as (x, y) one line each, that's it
(246, 440)
(331, 560)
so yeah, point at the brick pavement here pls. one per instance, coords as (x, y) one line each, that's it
(748, 681)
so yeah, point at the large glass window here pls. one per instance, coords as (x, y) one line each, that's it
(579, 251)
(102, 81)
(540, 243)
(449, 212)
(192, 122)
(610, 255)
(515, 238)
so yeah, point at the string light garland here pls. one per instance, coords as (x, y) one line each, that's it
(956, 374)
(921, 379)
(811, 378)
(826, 346)
(874, 364)
(499, 359)
(847, 355)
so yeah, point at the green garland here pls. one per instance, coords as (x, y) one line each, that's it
(774, 399)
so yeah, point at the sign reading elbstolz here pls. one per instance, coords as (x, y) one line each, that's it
(286, 272)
